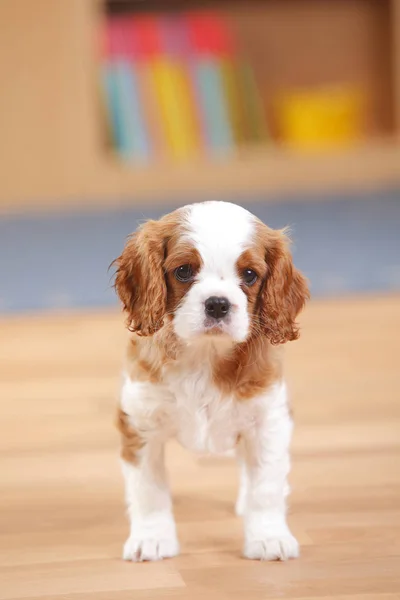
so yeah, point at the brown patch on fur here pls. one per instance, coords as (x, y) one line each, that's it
(181, 253)
(250, 369)
(284, 290)
(146, 356)
(253, 258)
(140, 280)
(177, 255)
(274, 302)
(138, 366)
(132, 442)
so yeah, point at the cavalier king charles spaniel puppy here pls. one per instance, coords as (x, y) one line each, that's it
(210, 295)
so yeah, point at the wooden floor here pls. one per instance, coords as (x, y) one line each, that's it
(62, 521)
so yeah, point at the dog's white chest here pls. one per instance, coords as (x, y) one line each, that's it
(207, 421)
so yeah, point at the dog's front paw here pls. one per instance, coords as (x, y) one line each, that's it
(152, 538)
(139, 550)
(272, 548)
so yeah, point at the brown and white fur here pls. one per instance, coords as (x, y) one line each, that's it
(214, 384)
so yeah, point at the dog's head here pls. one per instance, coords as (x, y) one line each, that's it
(214, 270)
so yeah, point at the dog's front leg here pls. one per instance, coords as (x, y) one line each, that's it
(265, 452)
(143, 424)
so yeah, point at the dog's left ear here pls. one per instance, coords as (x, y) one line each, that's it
(284, 291)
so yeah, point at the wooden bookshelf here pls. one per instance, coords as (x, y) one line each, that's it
(52, 153)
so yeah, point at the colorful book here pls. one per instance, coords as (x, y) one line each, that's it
(177, 84)
(123, 88)
(159, 48)
(254, 110)
(186, 127)
(139, 63)
(236, 104)
(209, 43)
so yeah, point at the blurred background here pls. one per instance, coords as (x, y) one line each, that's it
(114, 111)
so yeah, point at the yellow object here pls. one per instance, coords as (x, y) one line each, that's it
(321, 118)
(174, 96)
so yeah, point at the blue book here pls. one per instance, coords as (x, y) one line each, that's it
(210, 43)
(121, 83)
(210, 93)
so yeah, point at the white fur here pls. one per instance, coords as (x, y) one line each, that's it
(153, 533)
(220, 231)
(188, 406)
(266, 464)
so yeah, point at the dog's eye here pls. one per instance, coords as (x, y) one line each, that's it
(249, 276)
(183, 273)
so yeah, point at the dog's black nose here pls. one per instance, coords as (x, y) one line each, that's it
(217, 307)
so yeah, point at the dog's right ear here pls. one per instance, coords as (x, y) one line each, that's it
(140, 281)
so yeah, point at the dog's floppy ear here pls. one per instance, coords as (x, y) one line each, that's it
(140, 281)
(284, 291)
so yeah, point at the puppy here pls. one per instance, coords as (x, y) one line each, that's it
(210, 295)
